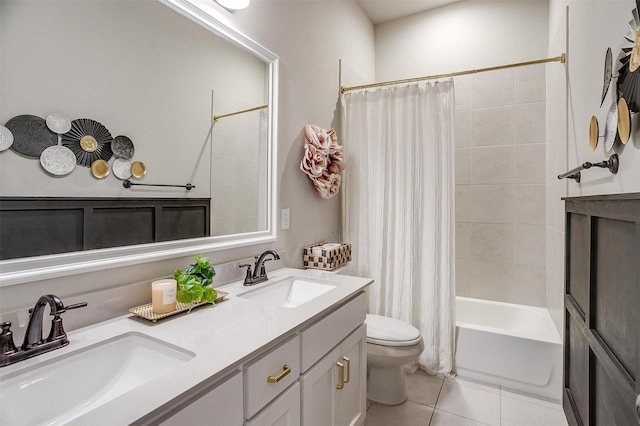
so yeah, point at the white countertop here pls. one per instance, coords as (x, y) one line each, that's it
(221, 336)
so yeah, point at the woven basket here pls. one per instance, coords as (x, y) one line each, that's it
(330, 259)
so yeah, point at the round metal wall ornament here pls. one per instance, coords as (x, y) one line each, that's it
(6, 138)
(58, 123)
(608, 67)
(121, 168)
(100, 169)
(58, 160)
(31, 135)
(138, 169)
(629, 72)
(122, 147)
(624, 121)
(89, 141)
(611, 128)
(593, 133)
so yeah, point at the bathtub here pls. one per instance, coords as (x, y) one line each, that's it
(513, 346)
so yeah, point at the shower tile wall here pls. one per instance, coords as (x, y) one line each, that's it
(500, 185)
(235, 172)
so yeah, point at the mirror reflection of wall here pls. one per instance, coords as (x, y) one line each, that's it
(144, 71)
(239, 172)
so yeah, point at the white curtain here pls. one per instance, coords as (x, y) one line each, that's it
(398, 207)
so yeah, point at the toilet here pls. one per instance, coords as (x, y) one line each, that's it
(391, 344)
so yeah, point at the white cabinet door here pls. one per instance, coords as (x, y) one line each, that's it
(351, 400)
(284, 411)
(319, 391)
(221, 405)
(323, 402)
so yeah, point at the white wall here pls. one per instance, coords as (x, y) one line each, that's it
(309, 50)
(461, 36)
(594, 26)
(586, 30)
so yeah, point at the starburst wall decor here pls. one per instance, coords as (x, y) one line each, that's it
(629, 72)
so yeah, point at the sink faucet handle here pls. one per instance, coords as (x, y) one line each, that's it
(75, 306)
(248, 279)
(6, 339)
(57, 330)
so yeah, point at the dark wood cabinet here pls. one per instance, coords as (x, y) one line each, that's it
(602, 310)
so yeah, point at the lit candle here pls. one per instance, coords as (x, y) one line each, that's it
(163, 295)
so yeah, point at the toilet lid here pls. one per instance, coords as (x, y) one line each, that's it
(390, 331)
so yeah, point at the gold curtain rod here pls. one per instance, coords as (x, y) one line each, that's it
(561, 58)
(217, 117)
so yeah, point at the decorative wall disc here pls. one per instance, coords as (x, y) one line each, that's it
(629, 72)
(593, 133)
(624, 121)
(611, 128)
(6, 138)
(100, 169)
(58, 160)
(122, 147)
(58, 123)
(138, 169)
(89, 141)
(31, 135)
(608, 67)
(122, 168)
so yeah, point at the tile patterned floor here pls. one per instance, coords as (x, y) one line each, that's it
(436, 401)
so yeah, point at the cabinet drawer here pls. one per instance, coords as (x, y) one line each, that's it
(284, 411)
(220, 403)
(328, 332)
(257, 389)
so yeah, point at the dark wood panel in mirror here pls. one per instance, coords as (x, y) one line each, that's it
(602, 344)
(35, 226)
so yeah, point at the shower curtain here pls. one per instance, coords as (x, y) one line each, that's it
(398, 207)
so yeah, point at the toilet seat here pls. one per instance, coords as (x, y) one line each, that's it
(387, 331)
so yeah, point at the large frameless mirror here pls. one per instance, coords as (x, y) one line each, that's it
(196, 98)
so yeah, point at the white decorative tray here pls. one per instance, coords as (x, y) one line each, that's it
(146, 311)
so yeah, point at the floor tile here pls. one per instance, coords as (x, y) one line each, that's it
(442, 418)
(519, 412)
(423, 389)
(471, 402)
(408, 414)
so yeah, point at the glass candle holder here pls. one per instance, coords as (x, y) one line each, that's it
(163, 295)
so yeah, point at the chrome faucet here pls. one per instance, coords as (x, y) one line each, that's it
(33, 343)
(259, 271)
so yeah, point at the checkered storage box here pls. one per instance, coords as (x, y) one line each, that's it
(330, 259)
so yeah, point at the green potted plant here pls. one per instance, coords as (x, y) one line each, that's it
(194, 283)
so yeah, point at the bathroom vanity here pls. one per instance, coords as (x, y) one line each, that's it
(287, 351)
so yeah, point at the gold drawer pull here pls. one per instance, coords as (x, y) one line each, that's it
(348, 361)
(286, 370)
(340, 375)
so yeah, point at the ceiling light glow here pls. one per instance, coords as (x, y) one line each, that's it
(234, 4)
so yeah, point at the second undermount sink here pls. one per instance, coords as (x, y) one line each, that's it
(63, 388)
(290, 292)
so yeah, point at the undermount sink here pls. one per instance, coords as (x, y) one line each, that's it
(288, 293)
(70, 385)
